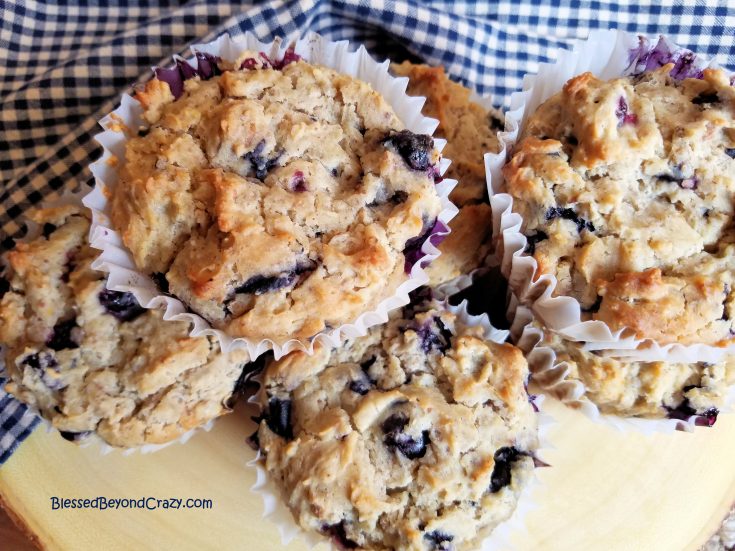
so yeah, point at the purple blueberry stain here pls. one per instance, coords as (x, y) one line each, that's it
(278, 417)
(645, 58)
(435, 231)
(339, 535)
(438, 540)
(623, 115)
(121, 305)
(207, 65)
(569, 214)
(63, 336)
(298, 182)
(395, 437)
(249, 63)
(181, 71)
(414, 148)
(289, 56)
(502, 471)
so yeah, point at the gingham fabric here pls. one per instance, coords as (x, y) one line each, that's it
(64, 67)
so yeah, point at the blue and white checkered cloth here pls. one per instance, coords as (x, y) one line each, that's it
(65, 67)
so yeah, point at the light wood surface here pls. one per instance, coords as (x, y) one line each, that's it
(606, 491)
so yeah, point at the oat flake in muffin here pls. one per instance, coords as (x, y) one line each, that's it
(277, 199)
(418, 436)
(93, 361)
(627, 190)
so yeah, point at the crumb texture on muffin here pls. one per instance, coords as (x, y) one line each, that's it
(93, 361)
(627, 191)
(278, 200)
(417, 436)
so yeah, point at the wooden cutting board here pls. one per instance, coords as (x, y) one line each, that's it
(607, 490)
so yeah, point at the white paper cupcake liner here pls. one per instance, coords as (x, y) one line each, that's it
(552, 376)
(33, 230)
(276, 511)
(608, 54)
(118, 262)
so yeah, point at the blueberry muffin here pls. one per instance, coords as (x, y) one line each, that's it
(470, 131)
(643, 389)
(627, 191)
(277, 200)
(419, 435)
(93, 361)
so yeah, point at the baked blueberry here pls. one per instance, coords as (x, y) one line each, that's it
(624, 117)
(121, 305)
(569, 214)
(439, 540)
(298, 182)
(4, 286)
(395, 437)
(433, 335)
(260, 163)
(63, 335)
(257, 285)
(504, 459)
(278, 417)
(415, 149)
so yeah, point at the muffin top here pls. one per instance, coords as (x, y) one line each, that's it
(278, 199)
(417, 436)
(93, 361)
(644, 389)
(627, 190)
